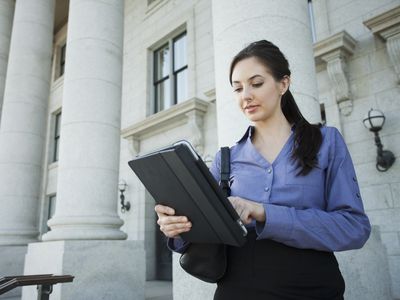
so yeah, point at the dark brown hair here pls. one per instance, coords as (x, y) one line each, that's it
(307, 137)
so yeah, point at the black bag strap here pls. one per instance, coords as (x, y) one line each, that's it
(225, 170)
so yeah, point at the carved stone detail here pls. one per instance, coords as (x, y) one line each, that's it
(393, 49)
(331, 53)
(386, 26)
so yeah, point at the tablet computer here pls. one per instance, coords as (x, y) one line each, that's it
(177, 177)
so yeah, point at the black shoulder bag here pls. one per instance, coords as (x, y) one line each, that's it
(204, 261)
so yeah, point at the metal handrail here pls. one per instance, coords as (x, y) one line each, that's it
(44, 282)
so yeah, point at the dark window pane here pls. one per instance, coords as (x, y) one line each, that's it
(180, 53)
(57, 129)
(163, 95)
(52, 208)
(181, 86)
(56, 149)
(162, 63)
(62, 59)
(323, 114)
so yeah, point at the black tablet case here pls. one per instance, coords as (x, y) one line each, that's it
(175, 177)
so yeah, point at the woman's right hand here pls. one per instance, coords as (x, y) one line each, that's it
(170, 224)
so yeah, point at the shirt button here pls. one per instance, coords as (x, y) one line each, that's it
(354, 179)
(358, 195)
(266, 189)
(269, 171)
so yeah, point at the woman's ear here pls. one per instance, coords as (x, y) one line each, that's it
(285, 83)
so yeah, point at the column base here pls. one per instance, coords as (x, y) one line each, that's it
(85, 228)
(366, 271)
(12, 263)
(102, 269)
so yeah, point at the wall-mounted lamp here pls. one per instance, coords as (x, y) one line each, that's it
(374, 121)
(122, 187)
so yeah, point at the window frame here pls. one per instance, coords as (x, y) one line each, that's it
(172, 75)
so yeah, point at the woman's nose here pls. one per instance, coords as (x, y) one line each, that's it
(246, 95)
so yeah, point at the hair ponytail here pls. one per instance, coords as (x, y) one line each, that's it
(307, 137)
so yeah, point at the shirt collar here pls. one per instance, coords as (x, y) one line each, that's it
(250, 131)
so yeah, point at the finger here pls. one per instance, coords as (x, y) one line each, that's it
(177, 226)
(174, 232)
(162, 209)
(165, 220)
(246, 216)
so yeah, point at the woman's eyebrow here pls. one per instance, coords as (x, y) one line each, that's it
(251, 78)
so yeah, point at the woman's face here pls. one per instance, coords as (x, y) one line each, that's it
(256, 91)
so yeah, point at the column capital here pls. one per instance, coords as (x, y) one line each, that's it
(332, 53)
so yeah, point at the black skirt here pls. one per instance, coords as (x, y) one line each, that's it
(265, 269)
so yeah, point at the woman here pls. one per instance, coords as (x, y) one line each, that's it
(293, 184)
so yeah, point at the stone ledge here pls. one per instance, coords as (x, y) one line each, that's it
(190, 111)
(384, 25)
(341, 42)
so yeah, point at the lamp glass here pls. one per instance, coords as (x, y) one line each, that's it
(122, 185)
(374, 119)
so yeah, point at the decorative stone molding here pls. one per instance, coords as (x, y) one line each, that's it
(189, 113)
(332, 54)
(387, 27)
(210, 94)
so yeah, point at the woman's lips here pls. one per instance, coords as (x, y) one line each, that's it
(251, 108)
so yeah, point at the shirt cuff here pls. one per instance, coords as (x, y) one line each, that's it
(177, 244)
(278, 224)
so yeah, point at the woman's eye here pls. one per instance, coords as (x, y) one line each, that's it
(237, 90)
(257, 84)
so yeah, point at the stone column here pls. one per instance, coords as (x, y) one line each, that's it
(90, 130)
(6, 18)
(283, 22)
(85, 237)
(23, 124)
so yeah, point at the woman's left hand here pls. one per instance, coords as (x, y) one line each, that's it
(248, 210)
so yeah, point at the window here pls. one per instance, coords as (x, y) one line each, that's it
(52, 208)
(323, 114)
(170, 73)
(57, 126)
(62, 60)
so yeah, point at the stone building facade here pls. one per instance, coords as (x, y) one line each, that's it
(87, 85)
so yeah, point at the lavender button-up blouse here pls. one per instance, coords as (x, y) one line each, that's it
(322, 210)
